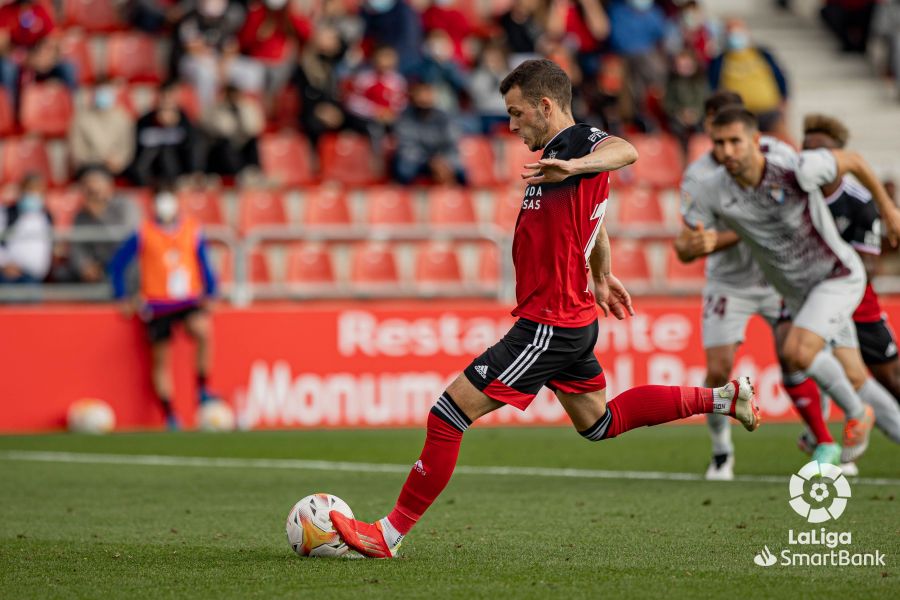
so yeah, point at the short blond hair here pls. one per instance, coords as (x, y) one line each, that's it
(830, 126)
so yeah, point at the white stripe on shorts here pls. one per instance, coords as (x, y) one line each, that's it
(541, 347)
(524, 354)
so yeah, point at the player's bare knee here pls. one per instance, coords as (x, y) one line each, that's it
(473, 403)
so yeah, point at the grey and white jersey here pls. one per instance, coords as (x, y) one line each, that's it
(732, 267)
(783, 221)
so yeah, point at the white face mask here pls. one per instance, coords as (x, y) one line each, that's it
(166, 207)
(276, 4)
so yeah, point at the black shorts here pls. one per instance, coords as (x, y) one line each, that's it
(532, 355)
(876, 342)
(159, 329)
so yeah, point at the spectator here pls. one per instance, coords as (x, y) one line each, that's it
(26, 22)
(233, 127)
(26, 235)
(440, 68)
(484, 84)
(886, 26)
(851, 21)
(104, 213)
(175, 286)
(42, 64)
(638, 28)
(206, 51)
(396, 24)
(443, 15)
(686, 92)
(522, 28)
(694, 30)
(333, 13)
(149, 16)
(377, 95)
(755, 75)
(166, 143)
(272, 34)
(102, 133)
(427, 141)
(586, 28)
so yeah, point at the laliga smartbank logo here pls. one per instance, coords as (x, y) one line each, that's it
(819, 493)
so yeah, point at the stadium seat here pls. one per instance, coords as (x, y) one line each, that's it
(515, 155)
(260, 208)
(257, 264)
(46, 109)
(133, 56)
(660, 163)
(677, 273)
(450, 207)
(326, 206)
(507, 205)
(630, 262)
(389, 207)
(7, 115)
(93, 15)
(205, 207)
(437, 263)
(309, 263)
(348, 158)
(75, 49)
(638, 206)
(478, 161)
(489, 271)
(25, 155)
(63, 205)
(698, 145)
(285, 159)
(374, 263)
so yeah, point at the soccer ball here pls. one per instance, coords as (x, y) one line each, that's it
(309, 530)
(215, 415)
(90, 415)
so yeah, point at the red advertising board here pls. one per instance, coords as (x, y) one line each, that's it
(333, 365)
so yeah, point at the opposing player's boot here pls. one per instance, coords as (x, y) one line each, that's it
(365, 538)
(721, 468)
(743, 402)
(856, 435)
(827, 453)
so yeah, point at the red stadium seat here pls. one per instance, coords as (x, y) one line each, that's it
(205, 207)
(507, 205)
(659, 163)
(285, 159)
(348, 159)
(437, 264)
(63, 205)
(93, 15)
(309, 263)
(698, 145)
(257, 265)
(515, 156)
(639, 206)
(260, 208)
(75, 49)
(478, 161)
(7, 115)
(630, 262)
(374, 264)
(489, 271)
(389, 206)
(326, 207)
(450, 207)
(46, 108)
(25, 155)
(692, 273)
(133, 56)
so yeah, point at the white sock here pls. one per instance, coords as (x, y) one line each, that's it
(826, 371)
(392, 537)
(722, 399)
(887, 413)
(720, 433)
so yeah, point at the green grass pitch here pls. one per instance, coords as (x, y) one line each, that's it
(94, 530)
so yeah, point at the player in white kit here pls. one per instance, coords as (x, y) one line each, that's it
(774, 204)
(735, 290)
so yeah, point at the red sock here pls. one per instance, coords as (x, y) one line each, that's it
(655, 404)
(808, 402)
(431, 472)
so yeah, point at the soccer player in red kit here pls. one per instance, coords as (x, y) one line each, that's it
(563, 271)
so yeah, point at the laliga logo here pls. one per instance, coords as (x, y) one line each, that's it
(819, 492)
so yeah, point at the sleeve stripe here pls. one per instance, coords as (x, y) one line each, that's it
(874, 250)
(594, 147)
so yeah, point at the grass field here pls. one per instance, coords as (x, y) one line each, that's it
(121, 522)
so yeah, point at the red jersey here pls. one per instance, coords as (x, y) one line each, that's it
(555, 233)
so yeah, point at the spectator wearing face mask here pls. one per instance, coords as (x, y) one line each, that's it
(377, 94)
(102, 133)
(233, 126)
(522, 28)
(492, 67)
(26, 235)
(444, 15)
(272, 34)
(396, 24)
(686, 92)
(755, 75)
(693, 29)
(175, 285)
(440, 67)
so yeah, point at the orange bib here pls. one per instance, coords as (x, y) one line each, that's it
(169, 266)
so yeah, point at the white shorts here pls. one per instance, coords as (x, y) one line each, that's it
(829, 307)
(727, 310)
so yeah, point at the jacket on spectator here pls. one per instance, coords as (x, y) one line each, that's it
(102, 137)
(26, 239)
(752, 73)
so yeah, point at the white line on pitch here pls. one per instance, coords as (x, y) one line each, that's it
(156, 460)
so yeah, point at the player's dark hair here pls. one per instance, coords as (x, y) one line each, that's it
(538, 79)
(830, 126)
(720, 100)
(736, 114)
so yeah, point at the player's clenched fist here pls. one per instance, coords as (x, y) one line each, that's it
(700, 241)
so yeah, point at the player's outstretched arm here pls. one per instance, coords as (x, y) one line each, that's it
(852, 162)
(611, 295)
(612, 153)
